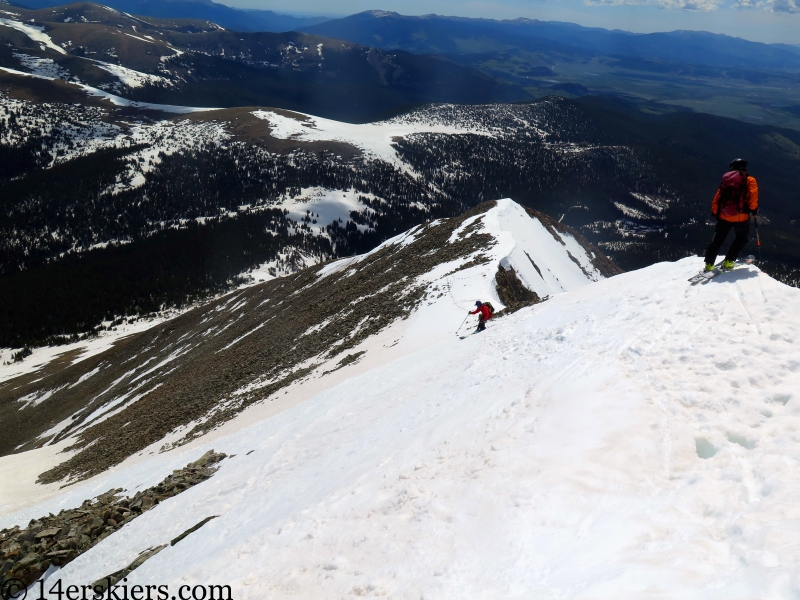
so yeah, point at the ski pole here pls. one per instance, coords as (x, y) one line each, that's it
(462, 324)
(758, 239)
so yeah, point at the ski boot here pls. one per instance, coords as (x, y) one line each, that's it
(708, 268)
(727, 265)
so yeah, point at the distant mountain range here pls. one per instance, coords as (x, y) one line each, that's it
(194, 62)
(706, 72)
(458, 35)
(225, 16)
(523, 58)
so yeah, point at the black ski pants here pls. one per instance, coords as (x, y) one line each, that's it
(722, 230)
(481, 324)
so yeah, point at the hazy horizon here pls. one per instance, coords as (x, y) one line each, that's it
(768, 21)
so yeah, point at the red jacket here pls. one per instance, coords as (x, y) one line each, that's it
(484, 310)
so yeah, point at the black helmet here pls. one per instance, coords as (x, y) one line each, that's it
(738, 164)
(479, 303)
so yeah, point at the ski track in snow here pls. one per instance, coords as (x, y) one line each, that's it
(557, 455)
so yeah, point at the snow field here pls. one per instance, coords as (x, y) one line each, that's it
(374, 139)
(118, 100)
(324, 205)
(46, 67)
(34, 32)
(131, 78)
(554, 456)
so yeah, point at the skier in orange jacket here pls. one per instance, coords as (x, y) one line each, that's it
(735, 200)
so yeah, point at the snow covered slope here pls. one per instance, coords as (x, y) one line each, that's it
(495, 253)
(631, 437)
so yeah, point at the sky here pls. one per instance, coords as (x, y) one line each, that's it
(771, 21)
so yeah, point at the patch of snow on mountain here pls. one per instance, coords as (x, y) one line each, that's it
(76, 130)
(86, 348)
(164, 137)
(287, 262)
(374, 139)
(657, 203)
(141, 39)
(131, 78)
(323, 206)
(118, 100)
(632, 213)
(44, 67)
(34, 32)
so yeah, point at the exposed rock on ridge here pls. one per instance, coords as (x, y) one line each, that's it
(26, 553)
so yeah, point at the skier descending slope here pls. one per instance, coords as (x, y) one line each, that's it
(735, 200)
(486, 312)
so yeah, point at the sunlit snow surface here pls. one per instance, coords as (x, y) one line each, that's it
(34, 32)
(45, 67)
(374, 139)
(118, 100)
(323, 205)
(553, 456)
(131, 78)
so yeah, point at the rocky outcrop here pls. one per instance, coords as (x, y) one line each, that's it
(512, 292)
(26, 553)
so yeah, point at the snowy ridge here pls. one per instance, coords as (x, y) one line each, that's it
(130, 78)
(633, 436)
(547, 262)
(377, 139)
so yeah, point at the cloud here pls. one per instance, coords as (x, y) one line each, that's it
(774, 6)
(687, 5)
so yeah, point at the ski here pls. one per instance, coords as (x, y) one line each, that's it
(461, 337)
(704, 276)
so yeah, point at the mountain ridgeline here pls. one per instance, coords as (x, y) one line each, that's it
(459, 35)
(206, 10)
(707, 72)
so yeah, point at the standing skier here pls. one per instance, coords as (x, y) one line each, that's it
(485, 314)
(735, 200)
